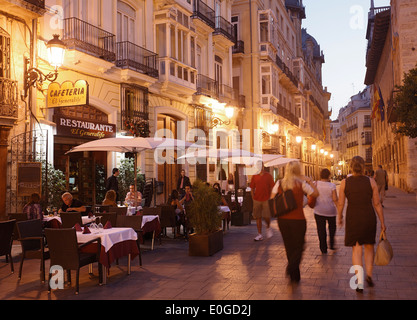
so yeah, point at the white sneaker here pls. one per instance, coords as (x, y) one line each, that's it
(269, 233)
(258, 237)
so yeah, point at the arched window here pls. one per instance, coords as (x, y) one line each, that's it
(126, 20)
(4, 54)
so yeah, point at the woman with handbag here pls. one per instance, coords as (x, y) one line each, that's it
(363, 200)
(293, 224)
(325, 210)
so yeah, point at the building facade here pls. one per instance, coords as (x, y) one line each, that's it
(391, 35)
(352, 133)
(217, 70)
(279, 64)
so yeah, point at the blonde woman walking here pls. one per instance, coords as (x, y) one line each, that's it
(360, 231)
(293, 225)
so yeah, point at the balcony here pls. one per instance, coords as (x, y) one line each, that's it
(9, 97)
(136, 58)
(207, 86)
(352, 127)
(37, 3)
(89, 39)
(239, 47)
(287, 78)
(202, 12)
(223, 32)
(287, 114)
(177, 77)
(352, 144)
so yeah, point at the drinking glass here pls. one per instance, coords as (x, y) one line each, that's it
(100, 225)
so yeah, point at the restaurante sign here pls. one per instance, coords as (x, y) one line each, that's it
(67, 94)
(66, 126)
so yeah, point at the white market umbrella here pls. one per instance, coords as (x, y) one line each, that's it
(222, 154)
(131, 144)
(279, 162)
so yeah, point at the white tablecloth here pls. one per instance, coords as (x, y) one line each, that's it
(147, 218)
(108, 237)
(85, 219)
(224, 208)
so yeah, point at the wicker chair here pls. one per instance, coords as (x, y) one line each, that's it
(134, 222)
(69, 219)
(108, 216)
(32, 241)
(65, 252)
(6, 240)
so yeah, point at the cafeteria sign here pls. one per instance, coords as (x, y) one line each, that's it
(67, 94)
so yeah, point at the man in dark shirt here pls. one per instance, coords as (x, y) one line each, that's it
(71, 204)
(182, 182)
(112, 183)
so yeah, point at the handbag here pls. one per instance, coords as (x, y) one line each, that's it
(284, 202)
(311, 201)
(384, 253)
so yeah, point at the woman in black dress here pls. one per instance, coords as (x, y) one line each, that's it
(363, 197)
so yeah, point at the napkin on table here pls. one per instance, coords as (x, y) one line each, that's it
(86, 230)
(77, 227)
(107, 225)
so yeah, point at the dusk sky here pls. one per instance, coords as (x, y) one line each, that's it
(339, 27)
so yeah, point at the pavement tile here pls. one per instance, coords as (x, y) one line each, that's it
(243, 270)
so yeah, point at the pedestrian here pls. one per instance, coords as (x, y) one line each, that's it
(33, 209)
(261, 186)
(360, 230)
(381, 179)
(112, 183)
(325, 210)
(183, 181)
(293, 225)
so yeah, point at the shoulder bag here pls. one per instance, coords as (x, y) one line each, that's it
(284, 202)
(311, 201)
(384, 253)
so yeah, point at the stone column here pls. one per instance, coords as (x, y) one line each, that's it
(4, 137)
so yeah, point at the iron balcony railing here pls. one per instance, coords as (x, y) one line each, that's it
(132, 56)
(239, 47)
(203, 12)
(207, 86)
(38, 3)
(85, 37)
(225, 28)
(9, 98)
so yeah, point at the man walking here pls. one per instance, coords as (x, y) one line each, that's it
(381, 179)
(261, 186)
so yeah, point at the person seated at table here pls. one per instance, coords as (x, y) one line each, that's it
(110, 199)
(133, 195)
(70, 204)
(188, 196)
(33, 209)
(179, 211)
(222, 201)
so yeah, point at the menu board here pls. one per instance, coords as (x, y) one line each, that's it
(29, 178)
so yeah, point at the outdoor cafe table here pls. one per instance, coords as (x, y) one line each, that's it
(58, 222)
(151, 223)
(225, 211)
(115, 243)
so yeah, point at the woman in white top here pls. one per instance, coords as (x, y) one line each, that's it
(325, 210)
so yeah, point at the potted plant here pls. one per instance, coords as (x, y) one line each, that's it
(205, 219)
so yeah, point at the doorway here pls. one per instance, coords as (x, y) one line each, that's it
(169, 172)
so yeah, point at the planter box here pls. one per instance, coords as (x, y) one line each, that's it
(205, 244)
(241, 218)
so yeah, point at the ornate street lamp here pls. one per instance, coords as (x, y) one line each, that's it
(56, 51)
